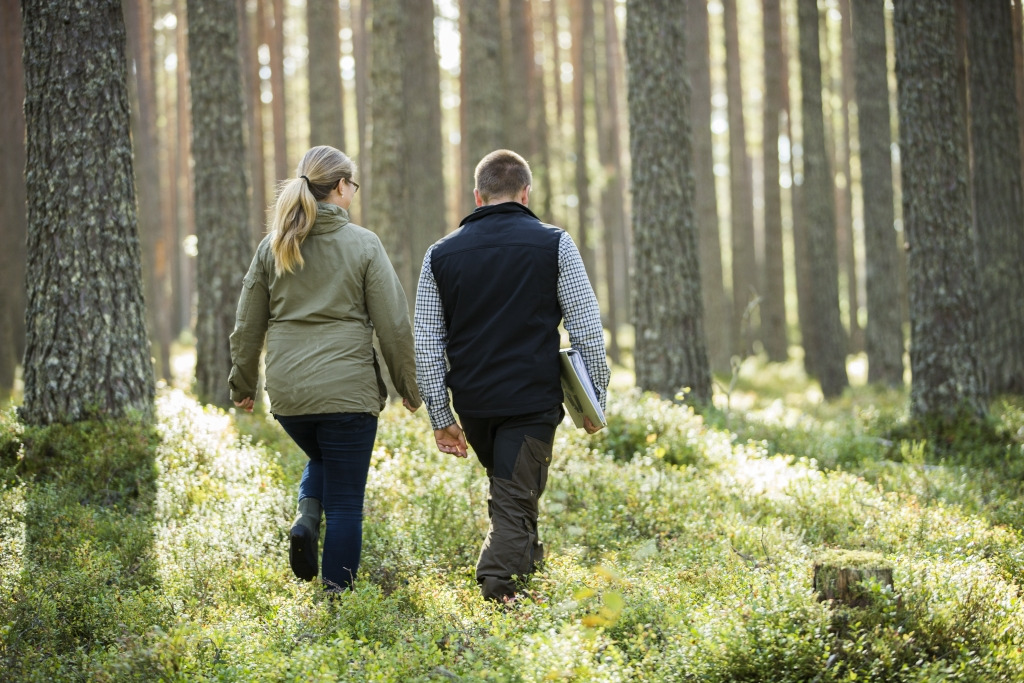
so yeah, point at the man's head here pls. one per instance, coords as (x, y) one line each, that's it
(502, 176)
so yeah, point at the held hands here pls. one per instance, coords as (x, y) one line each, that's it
(245, 404)
(452, 440)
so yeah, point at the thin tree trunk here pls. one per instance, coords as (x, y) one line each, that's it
(139, 23)
(87, 355)
(884, 331)
(620, 243)
(583, 38)
(424, 162)
(388, 138)
(670, 354)
(945, 365)
(326, 104)
(613, 218)
(741, 216)
(276, 45)
(361, 42)
(717, 307)
(13, 217)
(801, 265)
(844, 182)
(828, 337)
(997, 183)
(224, 241)
(254, 118)
(483, 97)
(186, 283)
(773, 304)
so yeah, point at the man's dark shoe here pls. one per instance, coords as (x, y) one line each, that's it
(303, 552)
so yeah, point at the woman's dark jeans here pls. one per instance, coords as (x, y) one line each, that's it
(339, 446)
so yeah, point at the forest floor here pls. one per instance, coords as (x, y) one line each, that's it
(680, 547)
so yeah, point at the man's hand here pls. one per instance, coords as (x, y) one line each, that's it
(590, 426)
(452, 440)
(408, 406)
(245, 404)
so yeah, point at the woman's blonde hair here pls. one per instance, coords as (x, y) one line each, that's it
(319, 172)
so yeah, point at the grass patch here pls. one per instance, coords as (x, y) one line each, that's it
(680, 548)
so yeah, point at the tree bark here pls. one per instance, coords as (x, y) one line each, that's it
(828, 337)
(670, 354)
(276, 45)
(12, 199)
(997, 183)
(482, 95)
(361, 41)
(252, 87)
(843, 88)
(884, 330)
(583, 65)
(224, 242)
(717, 307)
(424, 158)
(139, 24)
(406, 146)
(87, 355)
(947, 375)
(745, 282)
(773, 303)
(326, 104)
(613, 213)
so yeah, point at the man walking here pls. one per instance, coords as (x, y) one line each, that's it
(490, 298)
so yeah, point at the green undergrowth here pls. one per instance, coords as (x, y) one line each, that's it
(680, 548)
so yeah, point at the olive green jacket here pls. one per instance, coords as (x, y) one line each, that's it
(319, 321)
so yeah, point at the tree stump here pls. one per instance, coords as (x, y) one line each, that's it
(841, 575)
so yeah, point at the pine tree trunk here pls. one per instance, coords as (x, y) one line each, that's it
(717, 308)
(798, 209)
(997, 183)
(390, 196)
(87, 355)
(947, 375)
(139, 23)
(361, 42)
(275, 44)
(224, 241)
(884, 330)
(670, 353)
(844, 182)
(773, 305)
(583, 38)
(483, 97)
(12, 198)
(745, 282)
(828, 339)
(249, 55)
(185, 285)
(326, 106)
(424, 162)
(613, 216)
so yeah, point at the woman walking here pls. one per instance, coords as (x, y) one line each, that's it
(317, 290)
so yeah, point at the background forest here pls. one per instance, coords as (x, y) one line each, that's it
(804, 222)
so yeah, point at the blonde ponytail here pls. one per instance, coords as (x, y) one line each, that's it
(319, 172)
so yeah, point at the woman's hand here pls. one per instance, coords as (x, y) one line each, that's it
(245, 404)
(408, 406)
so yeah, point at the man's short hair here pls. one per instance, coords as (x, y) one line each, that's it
(502, 173)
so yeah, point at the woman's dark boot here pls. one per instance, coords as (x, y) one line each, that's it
(304, 549)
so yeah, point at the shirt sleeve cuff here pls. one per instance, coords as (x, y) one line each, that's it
(442, 417)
